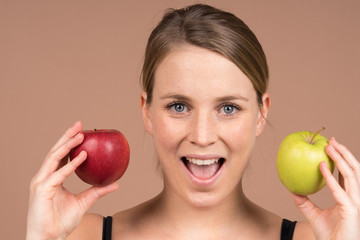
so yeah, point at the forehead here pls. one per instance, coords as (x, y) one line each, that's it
(194, 70)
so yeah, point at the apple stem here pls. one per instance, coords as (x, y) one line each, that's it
(312, 139)
(95, 129)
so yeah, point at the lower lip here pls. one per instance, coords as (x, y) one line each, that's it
(204, 182)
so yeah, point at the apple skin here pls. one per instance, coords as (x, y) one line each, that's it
(298, 162)
(108, 155)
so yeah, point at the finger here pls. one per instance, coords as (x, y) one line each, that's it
(60, 175)
(347, 155)
(54, 158)
(339, 195)
(351, 182)
(70, 133)
(307, 207)
(88, 197)
(340, 162)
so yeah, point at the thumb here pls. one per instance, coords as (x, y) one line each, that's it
(88, 197)
(306, 206)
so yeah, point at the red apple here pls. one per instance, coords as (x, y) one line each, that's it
(108, 156)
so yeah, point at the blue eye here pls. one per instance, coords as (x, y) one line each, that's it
(229, 109)
(178, 107)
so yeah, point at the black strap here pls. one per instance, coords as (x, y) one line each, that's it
(107, 225)
(287, 229)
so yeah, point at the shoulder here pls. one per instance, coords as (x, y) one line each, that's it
(303, 231)
(137, 222)
(90, 228)
(131, 221)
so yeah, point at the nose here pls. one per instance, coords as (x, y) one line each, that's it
(203, 130)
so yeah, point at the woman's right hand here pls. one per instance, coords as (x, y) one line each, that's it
(54, 212)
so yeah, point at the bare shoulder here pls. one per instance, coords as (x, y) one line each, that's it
(137, 222)
(303, 231)
(125, 221)
(90, 228)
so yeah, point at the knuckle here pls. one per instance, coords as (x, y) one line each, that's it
(357, 169)
(60, 175)
(71, 165)
(50, 155)
(344, 148)
(66, 171)
(70, 144)
(356, 165)
(36, 186)
(349, 175)
(68, 132)
(53, 148)
(74, 165)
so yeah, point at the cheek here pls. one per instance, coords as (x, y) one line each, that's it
(167, 133)
(240, 136)
(240, 144)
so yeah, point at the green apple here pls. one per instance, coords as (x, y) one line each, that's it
(298, 160)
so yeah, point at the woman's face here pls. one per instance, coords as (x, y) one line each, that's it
(204, 118)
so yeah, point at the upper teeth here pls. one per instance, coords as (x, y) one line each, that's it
(202, 162)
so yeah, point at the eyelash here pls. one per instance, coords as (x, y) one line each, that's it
(236, 107)
(174, 103)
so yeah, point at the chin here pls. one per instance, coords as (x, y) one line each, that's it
(204, 200)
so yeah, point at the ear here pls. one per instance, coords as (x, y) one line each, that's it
(145, 112)
(264, 109)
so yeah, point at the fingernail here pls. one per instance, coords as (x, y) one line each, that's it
(332, 140)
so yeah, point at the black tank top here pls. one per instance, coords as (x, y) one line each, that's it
(287, 229)
(107, 227)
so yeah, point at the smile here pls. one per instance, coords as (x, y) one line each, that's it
(203, 171)
(202, 162)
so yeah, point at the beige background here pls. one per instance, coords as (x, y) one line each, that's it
(62, 61)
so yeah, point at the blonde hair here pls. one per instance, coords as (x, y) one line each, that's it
(207, 27)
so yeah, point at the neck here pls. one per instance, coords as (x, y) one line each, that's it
(182, 215)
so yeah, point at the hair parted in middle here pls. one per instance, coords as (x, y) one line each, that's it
(210, 28)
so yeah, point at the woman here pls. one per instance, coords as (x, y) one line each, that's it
(204, 102)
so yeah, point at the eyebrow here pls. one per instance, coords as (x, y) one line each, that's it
(233, 97)
(220, 99)
(175, 96)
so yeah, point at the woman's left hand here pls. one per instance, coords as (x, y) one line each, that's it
(342, 221)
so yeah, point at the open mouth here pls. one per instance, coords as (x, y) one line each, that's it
(203, 168)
